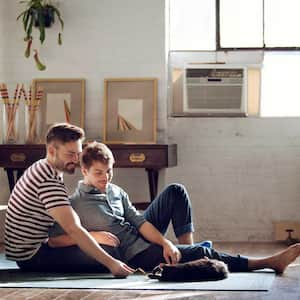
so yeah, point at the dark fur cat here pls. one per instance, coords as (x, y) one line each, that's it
(197, 270)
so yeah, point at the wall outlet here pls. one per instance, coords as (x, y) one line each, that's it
(280, 228)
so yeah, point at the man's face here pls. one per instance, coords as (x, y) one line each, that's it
(98, 175)
(66, 156)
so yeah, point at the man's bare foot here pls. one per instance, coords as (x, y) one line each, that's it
(281, 260)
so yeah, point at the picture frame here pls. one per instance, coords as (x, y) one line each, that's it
(130, 110)
(63, 101)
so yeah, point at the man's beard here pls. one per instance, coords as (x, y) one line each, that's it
(69, 170)
(61, 166)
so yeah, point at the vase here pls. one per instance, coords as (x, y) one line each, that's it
(32, 123)
(10, 126)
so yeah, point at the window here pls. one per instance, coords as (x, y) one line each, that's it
(219, 31)
(244, 27)
(282, 23)
(192, 25)
(280, 84)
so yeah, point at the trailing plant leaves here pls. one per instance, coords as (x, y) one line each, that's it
(35, 16)
(21, 14)
(59, 39)
(29, 28)
(41, 20)
(27, 51)
(25, 20)
(59, 16)
(39, 65)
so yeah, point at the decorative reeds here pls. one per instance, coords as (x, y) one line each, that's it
(10, 112)
(33, 104)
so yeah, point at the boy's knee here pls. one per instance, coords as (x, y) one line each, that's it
(176, 188)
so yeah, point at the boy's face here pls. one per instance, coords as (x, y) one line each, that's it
(98, 175)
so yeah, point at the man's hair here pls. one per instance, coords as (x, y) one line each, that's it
(95, 151)
(64, 133)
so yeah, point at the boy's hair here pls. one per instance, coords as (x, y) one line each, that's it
(64, 133)
(95, 151)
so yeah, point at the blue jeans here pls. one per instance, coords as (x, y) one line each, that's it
(153, 256)
(171, 205)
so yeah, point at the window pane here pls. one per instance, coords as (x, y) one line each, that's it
(280, 84)
(192, 25)
(241, 23)
(282, 23)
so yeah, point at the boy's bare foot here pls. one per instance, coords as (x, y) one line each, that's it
(281, 260)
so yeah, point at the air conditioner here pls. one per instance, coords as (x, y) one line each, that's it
(215, 90)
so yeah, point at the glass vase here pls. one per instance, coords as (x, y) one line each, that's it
(32, 123)
(10, 126)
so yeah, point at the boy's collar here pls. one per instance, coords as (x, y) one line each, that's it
(88, 188)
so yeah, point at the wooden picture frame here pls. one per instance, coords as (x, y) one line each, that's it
(63, 101)
(130, 110)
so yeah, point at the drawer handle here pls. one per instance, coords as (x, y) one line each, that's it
(17, 157)
(137, 157)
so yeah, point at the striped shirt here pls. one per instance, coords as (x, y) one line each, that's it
(27, 218)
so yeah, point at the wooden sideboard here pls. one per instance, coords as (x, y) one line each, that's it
(153, 157)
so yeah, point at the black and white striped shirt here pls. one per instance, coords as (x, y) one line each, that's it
(27, 220)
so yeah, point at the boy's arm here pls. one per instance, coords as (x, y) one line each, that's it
(171, 254)
(101, 237)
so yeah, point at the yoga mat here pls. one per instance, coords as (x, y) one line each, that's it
(12, 277)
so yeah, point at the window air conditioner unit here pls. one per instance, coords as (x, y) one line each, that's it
(213, 90)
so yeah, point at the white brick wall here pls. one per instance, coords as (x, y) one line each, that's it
(242, 174)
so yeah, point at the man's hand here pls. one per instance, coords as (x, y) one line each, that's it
(120, 269)
(171, 254)
(105, 238)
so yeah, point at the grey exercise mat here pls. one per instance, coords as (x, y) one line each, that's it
(10, 276)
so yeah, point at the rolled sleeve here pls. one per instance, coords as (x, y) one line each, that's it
(55, 230)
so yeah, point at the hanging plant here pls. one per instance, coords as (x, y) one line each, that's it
(39, 14)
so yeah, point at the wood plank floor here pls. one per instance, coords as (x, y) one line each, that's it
(286, 286)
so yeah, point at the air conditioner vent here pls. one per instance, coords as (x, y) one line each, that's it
(215, 90)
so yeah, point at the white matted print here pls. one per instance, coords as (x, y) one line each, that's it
(63, 101)
(58, 108)
(130, 114)
(130, 110)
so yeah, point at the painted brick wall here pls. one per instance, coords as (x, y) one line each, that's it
(242, 174)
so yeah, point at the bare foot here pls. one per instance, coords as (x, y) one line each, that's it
(281, 260)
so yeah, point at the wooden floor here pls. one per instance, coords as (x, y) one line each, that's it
(286, 286)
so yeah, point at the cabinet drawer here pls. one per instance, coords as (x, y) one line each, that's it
(143, 158)
(20, 157)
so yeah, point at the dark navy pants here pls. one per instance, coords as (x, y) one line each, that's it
(171, 205)
(153, 256)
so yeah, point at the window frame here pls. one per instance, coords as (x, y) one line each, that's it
(265, 48)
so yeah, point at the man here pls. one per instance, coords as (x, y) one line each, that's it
(39, 198)
(103, 206)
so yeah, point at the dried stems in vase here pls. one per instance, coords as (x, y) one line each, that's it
(10, 110)
(33, 106)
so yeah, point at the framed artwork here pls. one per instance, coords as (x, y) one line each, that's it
(63, 101)
(130, 110)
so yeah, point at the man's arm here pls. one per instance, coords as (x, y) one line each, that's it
(150, 233)
(101, 237)
(69, 221)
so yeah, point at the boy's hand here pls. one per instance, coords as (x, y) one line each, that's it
(105, 238)
(171, 253)
(120, 269)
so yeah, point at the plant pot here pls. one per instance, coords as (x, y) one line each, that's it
(47, 14)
